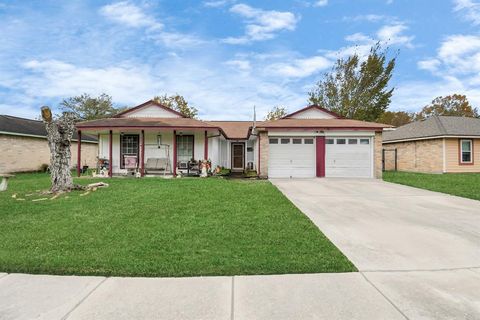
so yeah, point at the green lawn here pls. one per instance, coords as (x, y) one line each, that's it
(459, 184)
(160, 227)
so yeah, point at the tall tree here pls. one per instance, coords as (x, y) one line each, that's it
(396, 118)
(178, 103)
(357, 89)
(84, 107)
(277, 112)
(452, 105)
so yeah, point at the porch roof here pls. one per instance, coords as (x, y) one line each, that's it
(145, 123)
(235, 130)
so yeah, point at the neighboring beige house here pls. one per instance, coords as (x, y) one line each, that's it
(311, 142)
(439, 144)
(24, 146)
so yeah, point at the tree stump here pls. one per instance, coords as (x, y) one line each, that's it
(59, 135)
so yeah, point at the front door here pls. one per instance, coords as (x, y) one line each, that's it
(238, 156)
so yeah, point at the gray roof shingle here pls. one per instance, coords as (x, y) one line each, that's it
(435, 126)
(22, 126)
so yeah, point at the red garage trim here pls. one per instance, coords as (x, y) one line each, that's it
(174, 153)
(142, 154)
(110, 156)
(205, 147)
(79, 152)
(258, 169)
(320, 155)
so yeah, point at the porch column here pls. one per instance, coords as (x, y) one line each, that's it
(258, 141)
(142, 155)
(174, 153)
(205, 148)
(320, 156)
(79, 152)
(110, 156)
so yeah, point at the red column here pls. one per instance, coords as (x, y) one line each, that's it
(79, 152)
(110, 156)
(320, 155)
(205, 149)
(142, 155)
(258, 169)
(174, 153)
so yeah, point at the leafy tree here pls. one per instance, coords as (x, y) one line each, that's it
(178, 103)
(452, 105)
(277, 112)
(84, 107)
(357, 89)
(396, 118)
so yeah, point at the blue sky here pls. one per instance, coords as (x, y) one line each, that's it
(225, 56)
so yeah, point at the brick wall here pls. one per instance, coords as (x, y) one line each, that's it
(19, 154)
(378, 155)
(417, 156)
(263, 154)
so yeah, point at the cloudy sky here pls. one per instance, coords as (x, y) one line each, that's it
(225, 56)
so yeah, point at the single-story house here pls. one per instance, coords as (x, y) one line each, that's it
(24, 146)
(311, 142)
(439, 144)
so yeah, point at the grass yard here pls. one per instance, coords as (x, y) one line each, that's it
(465, 185)
(158, 227)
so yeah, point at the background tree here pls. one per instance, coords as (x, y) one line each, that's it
(452, 105)
(178, 103)
(277, 112)
(84, 107)
(396, 118)
(357, 89)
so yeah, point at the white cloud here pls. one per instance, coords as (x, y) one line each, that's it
(358, 37)
(393, 34)
(239, 64)
(130, 15)
(53, 78)
(300, 68)
(320, 3)
(261, 24)
(470, 9)
(460, 54)
(429, 64)
(217, 3)
(369, 18)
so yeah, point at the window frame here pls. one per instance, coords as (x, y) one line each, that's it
(460, 152)
(341, 139)
(308, 139)
(270, 141)
(178, 148)
(297, 141)
(367, 140)
(123, 154)
(284, 141)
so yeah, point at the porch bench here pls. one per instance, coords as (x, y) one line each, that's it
(156, 165)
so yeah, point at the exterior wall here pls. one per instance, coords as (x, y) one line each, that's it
(452, 156)
(151, 111)
(377, 155)
(417, 156)
(263, 154)
(312, 114)
(28, 154)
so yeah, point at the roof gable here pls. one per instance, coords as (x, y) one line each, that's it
(312, 112)
(150, 109)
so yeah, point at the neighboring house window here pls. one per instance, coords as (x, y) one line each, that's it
(128, 147)
(466, 154)
(184, 148)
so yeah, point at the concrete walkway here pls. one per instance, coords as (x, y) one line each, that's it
(420, 249)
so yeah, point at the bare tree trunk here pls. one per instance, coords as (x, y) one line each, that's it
(59, 134)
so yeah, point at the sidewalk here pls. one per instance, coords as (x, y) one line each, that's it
(310, 296)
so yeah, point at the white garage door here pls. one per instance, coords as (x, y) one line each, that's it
(291, 157)
(348, 157)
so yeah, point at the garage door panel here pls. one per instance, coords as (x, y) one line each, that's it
(291, 160)
(348, 160)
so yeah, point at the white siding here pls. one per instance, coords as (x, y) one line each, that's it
(151, 111)
(312, 113)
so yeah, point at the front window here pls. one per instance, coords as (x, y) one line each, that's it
(129, 151)
(466, 151)
(184, 148)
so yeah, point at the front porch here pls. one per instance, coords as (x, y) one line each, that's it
(144, 151)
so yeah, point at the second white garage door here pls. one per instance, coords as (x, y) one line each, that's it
(348, 157)
(291, 157)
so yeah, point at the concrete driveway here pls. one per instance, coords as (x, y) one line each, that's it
(420, 249)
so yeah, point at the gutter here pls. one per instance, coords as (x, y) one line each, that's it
(38, 136)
